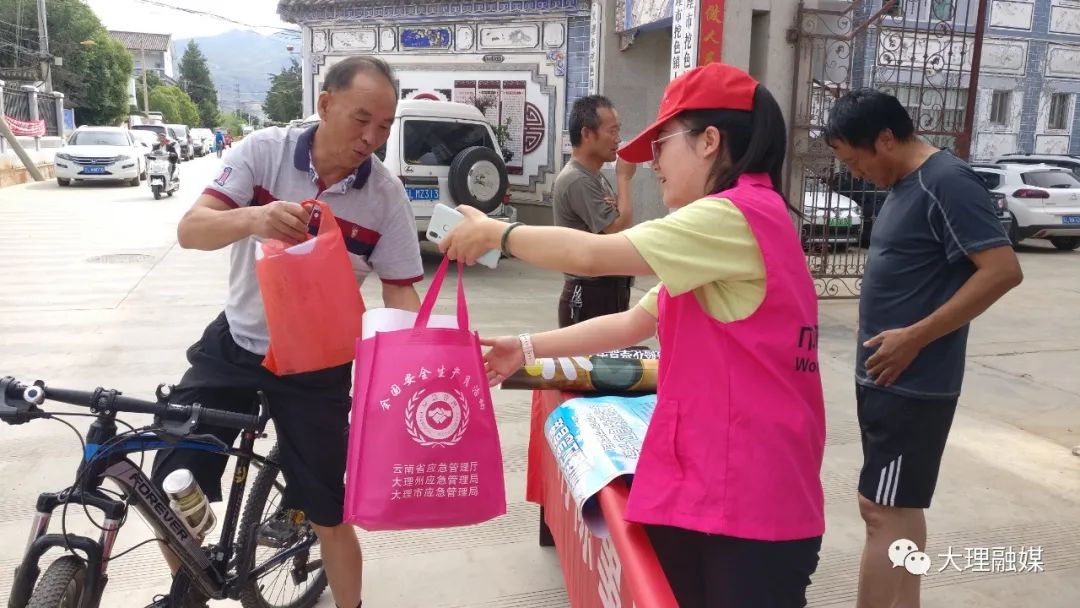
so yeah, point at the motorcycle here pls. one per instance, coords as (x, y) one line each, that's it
(162, 179)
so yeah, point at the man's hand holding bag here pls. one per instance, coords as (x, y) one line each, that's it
(311, 298)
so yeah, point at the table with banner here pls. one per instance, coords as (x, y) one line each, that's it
(589, 416)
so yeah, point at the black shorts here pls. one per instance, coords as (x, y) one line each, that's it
(716, 571)
(310, 413)
(582, 300)
(903, 439)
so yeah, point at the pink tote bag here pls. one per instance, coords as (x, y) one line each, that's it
(423, 446)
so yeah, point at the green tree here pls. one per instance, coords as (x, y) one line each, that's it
(105, 103)
(163, 101)
(284, 99)
(175, 105)
(234, 123)
(196, 82)
(209, 115)
(93, 74)
(189, 112)
(152, 82)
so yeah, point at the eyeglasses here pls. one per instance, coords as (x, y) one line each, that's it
(656, 143)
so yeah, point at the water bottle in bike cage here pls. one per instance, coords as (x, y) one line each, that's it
(189, 502)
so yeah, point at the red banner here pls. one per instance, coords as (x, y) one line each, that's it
(710, 31)
(34, 128)
(620, 571)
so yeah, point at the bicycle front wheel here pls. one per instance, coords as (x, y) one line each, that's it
(62, 585)
(268, 532)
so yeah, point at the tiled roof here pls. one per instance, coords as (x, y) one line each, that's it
(140, 41)
(311, 3)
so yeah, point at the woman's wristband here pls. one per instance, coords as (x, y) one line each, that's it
(505, 237)
(527, 349)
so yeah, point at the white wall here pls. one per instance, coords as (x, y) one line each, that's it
(156, 61)
(167, 59)
(533, 50)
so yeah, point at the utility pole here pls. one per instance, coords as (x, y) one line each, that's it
(18, 34)
(43, 41)
(145, 95)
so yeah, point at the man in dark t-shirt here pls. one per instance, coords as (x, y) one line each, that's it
(938, 258)
(583, 199)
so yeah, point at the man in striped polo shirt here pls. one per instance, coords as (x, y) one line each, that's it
(256, 196)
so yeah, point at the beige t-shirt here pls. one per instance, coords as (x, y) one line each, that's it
(706, 247)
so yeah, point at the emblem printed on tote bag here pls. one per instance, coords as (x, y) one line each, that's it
(438, 419)
(437, 410)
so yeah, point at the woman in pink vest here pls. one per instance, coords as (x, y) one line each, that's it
(728, 484)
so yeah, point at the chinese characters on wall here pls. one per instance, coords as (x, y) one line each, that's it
(697, 34)
(595, 21)
(684, 36)
(710, 31)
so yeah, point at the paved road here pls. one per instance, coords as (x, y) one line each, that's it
(95, 292)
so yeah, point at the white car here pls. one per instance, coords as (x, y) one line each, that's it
(100, 153)
(445, 152)
(1044, 201)
(203, 139)
(1072, 163)
(145, 141)
(829, 218)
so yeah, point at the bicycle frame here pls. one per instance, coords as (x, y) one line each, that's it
(208, 573)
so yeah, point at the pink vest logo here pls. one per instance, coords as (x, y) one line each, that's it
(808, 337)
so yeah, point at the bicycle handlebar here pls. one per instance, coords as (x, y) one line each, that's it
(18, 404)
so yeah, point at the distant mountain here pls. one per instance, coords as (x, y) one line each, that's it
(239, 57)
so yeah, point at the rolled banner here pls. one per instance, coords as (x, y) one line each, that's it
(621, 371)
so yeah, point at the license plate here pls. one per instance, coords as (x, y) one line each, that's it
(840, 222)
(1070, 219)
(94, 170)
(422, 194)
(157, 181)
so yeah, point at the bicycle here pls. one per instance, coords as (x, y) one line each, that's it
(226, 569)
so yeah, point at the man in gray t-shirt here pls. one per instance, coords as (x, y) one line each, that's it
(584, 200)
(938, 258)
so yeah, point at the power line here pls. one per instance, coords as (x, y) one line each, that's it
(19, 26)
(24, 42)
(200, 13)
(20, 48)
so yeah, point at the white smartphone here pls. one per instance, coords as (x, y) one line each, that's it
(443, 220)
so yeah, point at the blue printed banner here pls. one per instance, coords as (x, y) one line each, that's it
(425, 38)
(596, 440)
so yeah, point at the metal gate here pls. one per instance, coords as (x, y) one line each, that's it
(926, 53)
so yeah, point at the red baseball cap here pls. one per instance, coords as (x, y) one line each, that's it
(715, 86)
